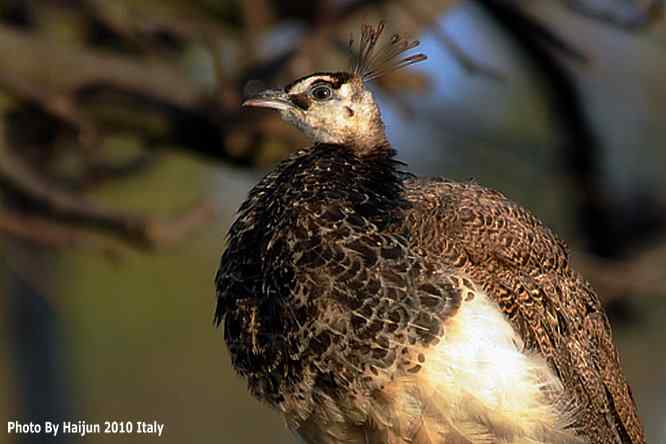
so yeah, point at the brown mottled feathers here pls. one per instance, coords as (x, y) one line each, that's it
(525, 268)
(341, 272)
(319, 277)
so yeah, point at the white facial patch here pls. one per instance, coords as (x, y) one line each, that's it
(345, 91)
(349, 117)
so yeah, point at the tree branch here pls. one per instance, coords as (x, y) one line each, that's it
(68, 208)
(632, 17)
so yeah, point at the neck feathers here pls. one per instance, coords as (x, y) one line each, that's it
(368, 132)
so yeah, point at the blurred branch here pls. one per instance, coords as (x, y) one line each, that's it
(640, 274)
(19, 177)
(54, 71)
(136, 22)
(101, 172)
(257, 16)
(84, 75)
(631, 15)
(528, 30)
(469, 65)
(165, 232)
(68, 208)
(353, 8)
(45, 233)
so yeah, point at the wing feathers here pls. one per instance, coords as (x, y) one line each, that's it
(525, 269)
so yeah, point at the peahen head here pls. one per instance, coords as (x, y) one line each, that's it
(337, 107)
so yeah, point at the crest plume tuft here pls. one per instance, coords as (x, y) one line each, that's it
(370, 63)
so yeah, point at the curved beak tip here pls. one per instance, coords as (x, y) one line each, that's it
(249, 102)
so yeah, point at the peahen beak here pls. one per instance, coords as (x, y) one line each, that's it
(271, 98)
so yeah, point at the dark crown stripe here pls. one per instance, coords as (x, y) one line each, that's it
(338, 79)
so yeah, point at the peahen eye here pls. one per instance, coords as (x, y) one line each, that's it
(321, 92)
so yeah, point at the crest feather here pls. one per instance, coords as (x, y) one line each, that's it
(370, 63)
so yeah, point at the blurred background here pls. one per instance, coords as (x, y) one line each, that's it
(124, 154)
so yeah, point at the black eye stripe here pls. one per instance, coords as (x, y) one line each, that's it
(302, 100)
(335, 79)
(305, 99)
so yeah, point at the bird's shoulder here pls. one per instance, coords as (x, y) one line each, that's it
(482, 223)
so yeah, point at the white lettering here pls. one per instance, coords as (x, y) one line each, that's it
(51, 428)
(81, 428)
(154, 427)
(18, 427)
